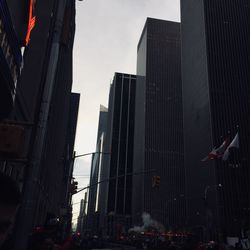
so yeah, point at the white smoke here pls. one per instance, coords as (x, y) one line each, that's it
(148, 223)
(136, 229)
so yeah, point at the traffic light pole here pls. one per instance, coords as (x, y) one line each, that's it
(74, 187)
(114, 178)
(109, 179)
(77, 156)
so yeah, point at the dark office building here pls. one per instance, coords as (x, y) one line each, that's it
(158, 150)
(14, 20)
(216, 94)
(26, 100)
(68, 153)
(21, 13)
(95, 175)
(48, 111)
(81, 220)
(116, 194)
(52, 163)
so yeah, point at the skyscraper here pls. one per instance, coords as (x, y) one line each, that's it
(14, 22)
(81, 220)
(216, 94)
(95, 174)
(116, 193)
(44, 100)
(158, 145)
(29, 88)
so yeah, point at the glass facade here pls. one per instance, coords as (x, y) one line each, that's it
(215, 37)
(159, 142)
(122, 140)
(228, 55)
(95, 175)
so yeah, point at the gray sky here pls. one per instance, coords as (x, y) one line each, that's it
(106, 40)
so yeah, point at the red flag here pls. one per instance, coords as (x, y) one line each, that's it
(217, 153)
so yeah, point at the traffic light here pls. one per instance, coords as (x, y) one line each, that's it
(73, 187)
(156, 181)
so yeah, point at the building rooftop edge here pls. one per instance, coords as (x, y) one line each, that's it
(103, 108)
(145, 26)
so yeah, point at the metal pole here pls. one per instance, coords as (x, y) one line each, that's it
(27, 212)
(114, 178)
(92, 153)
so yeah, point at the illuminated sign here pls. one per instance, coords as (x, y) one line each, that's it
(31, 23)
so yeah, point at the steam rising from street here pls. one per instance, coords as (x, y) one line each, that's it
(148, 223)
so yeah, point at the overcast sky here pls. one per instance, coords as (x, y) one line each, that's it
(107, 33)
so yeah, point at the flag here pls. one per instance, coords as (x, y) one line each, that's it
(211, 156)
(234, 144)
(217, 153)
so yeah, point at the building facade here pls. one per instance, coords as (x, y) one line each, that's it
(38, 112)
(29, 87)
(82, 218)
(158, 145)
(14, 19)
(45, 104)
(116, 192)
(215, 59)
(95, 175)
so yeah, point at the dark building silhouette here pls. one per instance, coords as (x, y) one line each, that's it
(40, 112)
(14, 19)
(81, 220)
(95, 174)
(216, 94)
(158, 144)
(115, 200)
(19, 12)
(52, 172)
(68, 153)
(30, 85)
(47, 110)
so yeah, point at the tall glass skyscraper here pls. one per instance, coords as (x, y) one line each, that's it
(158, 148)
(216, 94)
(95, 174)
(116, 193)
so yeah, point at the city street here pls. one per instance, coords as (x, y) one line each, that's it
(125, 124)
